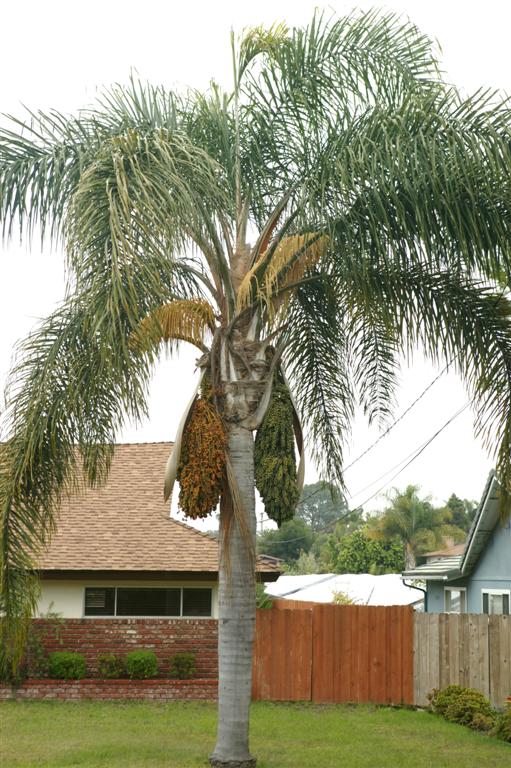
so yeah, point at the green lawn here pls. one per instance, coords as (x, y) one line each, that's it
(181, 735)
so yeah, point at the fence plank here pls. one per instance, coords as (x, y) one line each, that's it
(407, 629)
(499, 645)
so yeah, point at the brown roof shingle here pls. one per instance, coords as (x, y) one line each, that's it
(125, 525)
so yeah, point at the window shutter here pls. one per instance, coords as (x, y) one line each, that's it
(99, 601)
(486, 608)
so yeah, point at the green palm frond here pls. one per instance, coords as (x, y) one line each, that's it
(454, 320)
(427, 180)
(316, 362)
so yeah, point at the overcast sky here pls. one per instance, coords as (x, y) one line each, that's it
(57, 54)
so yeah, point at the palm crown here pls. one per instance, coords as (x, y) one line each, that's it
(376, 201)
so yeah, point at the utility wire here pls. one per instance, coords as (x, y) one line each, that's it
(414, 455)
(405, 412)
(422, 449)
(388, 429)
(402, 415)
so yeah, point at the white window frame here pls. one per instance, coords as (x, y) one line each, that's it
(495, 592)
(455, 589)
(146, 586)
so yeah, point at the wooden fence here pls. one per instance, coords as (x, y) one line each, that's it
(473, 650)
(335, 654)
(329, 653)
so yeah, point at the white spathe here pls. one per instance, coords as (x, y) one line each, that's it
(361, 588)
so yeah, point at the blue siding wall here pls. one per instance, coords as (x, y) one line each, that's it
(492, 571)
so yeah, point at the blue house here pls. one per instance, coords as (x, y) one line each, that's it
(479, 579)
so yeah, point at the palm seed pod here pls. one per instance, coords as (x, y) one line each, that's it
(202, 463)
(274, 457)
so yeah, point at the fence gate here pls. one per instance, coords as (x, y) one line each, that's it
(332, 653)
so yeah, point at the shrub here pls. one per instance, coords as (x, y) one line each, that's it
(141, 665)
(502, 729)
(440, 699)
(64, 665)
(182, 666)
(465, 706)
(111, 666)
(263, 600)
(469, 708)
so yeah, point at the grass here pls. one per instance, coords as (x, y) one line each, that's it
(181, 735)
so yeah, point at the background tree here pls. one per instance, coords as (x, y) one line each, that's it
(378, 205)
(358, 553)
(462, 512)
(415, 522)
(321, 505)
(288, 542)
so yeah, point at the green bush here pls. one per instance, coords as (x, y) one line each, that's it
(111, 666)
(465, 706)
(440, 699)
(471, 708)
(141, 665)
(502, 729)
(263, 600)
(64, 665)
(182, 666)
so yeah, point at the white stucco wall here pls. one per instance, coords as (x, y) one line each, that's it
(67, 597)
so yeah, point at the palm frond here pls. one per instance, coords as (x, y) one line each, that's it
(40, 163)
(454, 320)
(316, 363)
(286, 264)
(425, 181)
(182, 320)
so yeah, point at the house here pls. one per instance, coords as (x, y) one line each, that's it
(117, 551)
(477, 579)
(430, 557)
(360, 588)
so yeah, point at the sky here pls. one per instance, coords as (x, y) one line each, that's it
(59, 54)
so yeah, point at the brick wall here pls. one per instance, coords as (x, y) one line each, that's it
(166, 637)
(111, 690)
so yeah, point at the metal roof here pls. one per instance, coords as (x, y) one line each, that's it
(444, 569)
(481, 529)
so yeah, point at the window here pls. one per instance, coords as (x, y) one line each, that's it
(147, 601)
(100, 602)
(144, 601)
(496, 601)
(455, 599)
(196, 602)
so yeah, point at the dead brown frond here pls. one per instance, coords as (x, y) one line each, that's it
(180, 320)
(291, 259)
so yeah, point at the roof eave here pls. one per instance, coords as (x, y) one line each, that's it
(432, 576)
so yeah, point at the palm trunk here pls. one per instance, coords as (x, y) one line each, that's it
(409, 557)
(236, 610)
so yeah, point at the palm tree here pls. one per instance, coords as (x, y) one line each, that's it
(419, 525)
(340, 206)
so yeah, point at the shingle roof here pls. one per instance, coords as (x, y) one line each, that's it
(456, 549)
(125, 525)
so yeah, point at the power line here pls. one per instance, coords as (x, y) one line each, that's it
(402, 415)
(415, 455)
(422, 449)
(388, 429)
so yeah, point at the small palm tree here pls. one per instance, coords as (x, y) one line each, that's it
(340, 206)
(419, 525)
